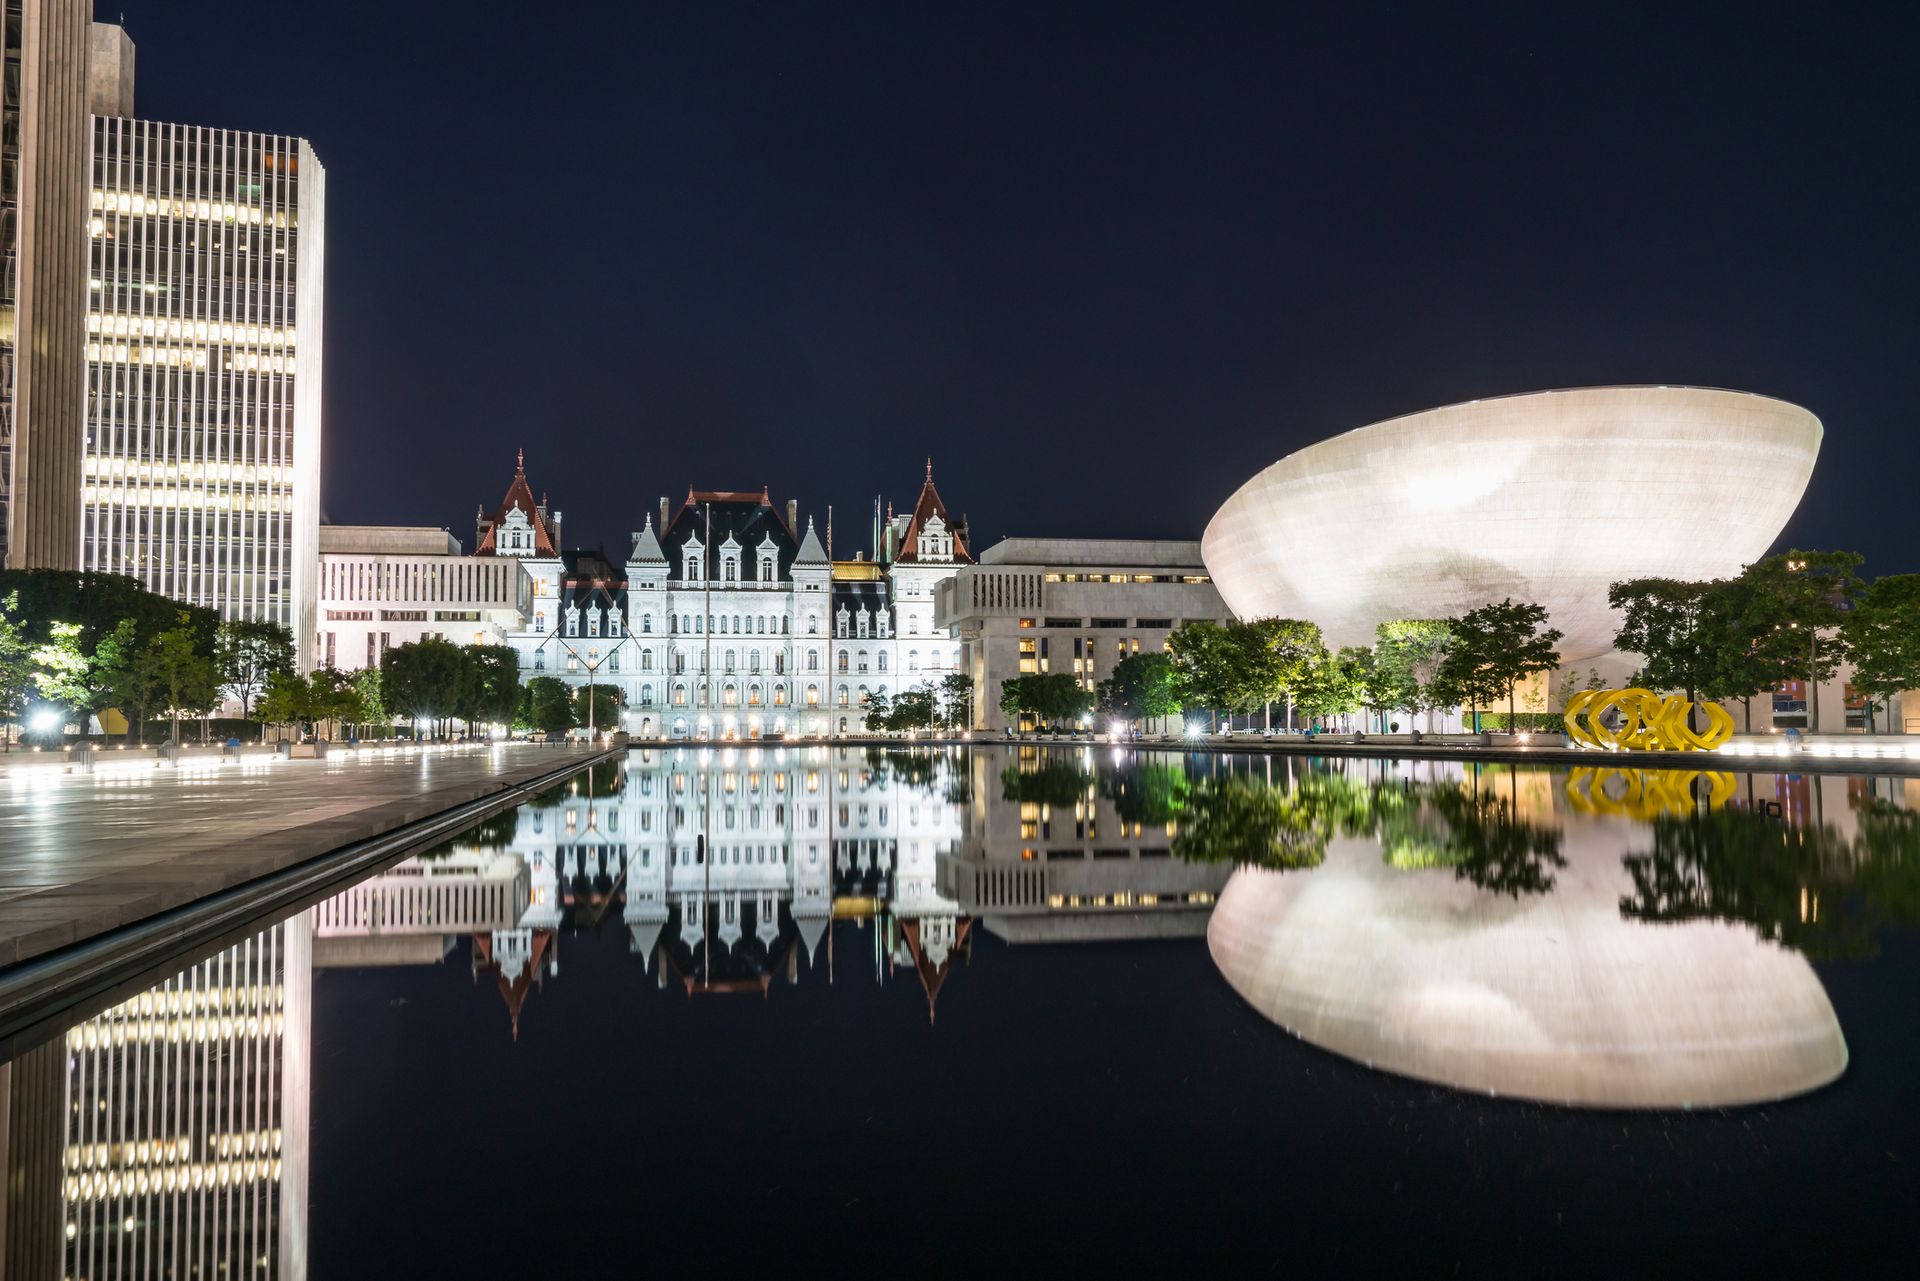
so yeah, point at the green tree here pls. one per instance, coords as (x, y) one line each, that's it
(549, 704)
(1277, 658)
(910, 709)
(1204, 660)
(1882, 633)
(490, 688)
(1494, 648)
(174, 664)
(956, 700)
(598, 706)
(1677, 628)
(246, 652)
(369, 704)
(879, 710)
(60, 672)
(113, 677)
(16, 665)
(1795, 604)
(1407, 654)
(1334, 684)
(1142, 687)
(425, 680)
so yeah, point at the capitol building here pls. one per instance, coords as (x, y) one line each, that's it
(729, 617)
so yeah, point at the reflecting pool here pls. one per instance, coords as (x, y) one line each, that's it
(1073, 1009)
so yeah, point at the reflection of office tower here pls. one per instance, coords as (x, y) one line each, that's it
(186, 1142)
(202, 467)
(1042, 865)
(411, 913)
(43, 261)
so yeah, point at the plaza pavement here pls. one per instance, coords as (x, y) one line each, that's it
(82, 855)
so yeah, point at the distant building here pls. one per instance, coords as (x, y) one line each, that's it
(201, 474)
(1068, 605)
(43, 275)
(730, 619)
(387, 585)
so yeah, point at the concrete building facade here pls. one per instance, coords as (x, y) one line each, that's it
(1072, 605)
(44, 48)
(387, 585)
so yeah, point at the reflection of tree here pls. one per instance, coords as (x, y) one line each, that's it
(1489, 844)
(916, 768)
(1246, 820)
(1243, 820)
(1142, 793)
(1050, 781)
(1419, 826)
(1812, 890)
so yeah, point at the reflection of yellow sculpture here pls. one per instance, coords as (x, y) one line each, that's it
(1648, 723)
(1646, 793)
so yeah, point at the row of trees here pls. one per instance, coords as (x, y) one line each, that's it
(1798, 616)
(927, 706)
(72, 645)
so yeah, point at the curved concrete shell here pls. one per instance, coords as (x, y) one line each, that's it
(1553, 997)
(1547, 497)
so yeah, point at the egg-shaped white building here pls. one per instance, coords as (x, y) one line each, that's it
(1546, 497)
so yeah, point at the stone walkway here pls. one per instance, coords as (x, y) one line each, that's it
(81, 855)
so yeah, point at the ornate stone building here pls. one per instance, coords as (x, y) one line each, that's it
(730, 618)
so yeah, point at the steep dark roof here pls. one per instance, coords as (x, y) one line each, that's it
(747, 518)
(929, 504)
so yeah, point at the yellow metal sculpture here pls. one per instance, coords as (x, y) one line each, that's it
(1642, 721)
(1647, 793)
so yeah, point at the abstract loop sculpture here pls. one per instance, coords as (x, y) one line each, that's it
(1646, 722)
(1647, 793)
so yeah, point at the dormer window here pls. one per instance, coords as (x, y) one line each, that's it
(935, 543)
(864, 615)
(693, 565)
(613, 622)
(769, 560)
(840, 622)
(882, 623)
(593, 622)
(730, 561)
(573, 621)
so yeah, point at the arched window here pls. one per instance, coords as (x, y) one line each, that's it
(913, 660)
(813, 660)
(883, 660)
(646, 696)
(679, 664)
(613, 661)
(841, 662)
(646, 660)
(813, 696)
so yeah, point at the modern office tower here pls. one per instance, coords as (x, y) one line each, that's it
(187, 1120)
(202, 465)
(43, 273)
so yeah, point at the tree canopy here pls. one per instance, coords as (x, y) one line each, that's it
(1493, 649)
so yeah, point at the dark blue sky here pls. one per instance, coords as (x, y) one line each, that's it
(1102, 262)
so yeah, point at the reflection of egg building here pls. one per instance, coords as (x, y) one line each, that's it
(186, 1135)
(1556, 996)
(1079, 864)
(1548, 497)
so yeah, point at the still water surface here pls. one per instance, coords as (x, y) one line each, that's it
(938, 1011)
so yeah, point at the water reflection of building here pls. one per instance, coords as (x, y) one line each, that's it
(1064, 851)
(185, 1145)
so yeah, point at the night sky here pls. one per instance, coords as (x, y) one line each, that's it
(1101, 262)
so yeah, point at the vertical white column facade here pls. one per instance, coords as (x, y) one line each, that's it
(202, 471)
